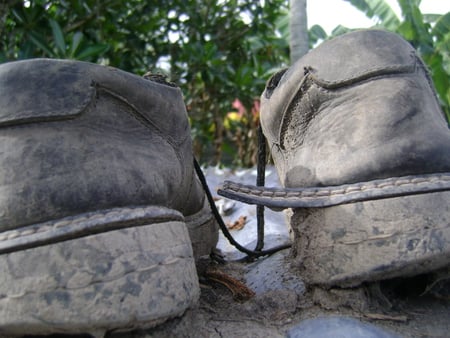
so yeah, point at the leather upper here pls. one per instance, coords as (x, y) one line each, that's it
(61, 89)
(356, 108)
(78, 137)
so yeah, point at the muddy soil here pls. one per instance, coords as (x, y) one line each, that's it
(282, 305)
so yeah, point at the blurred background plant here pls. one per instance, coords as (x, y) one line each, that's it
(220, 53)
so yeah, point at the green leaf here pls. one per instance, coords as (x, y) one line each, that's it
(19, 16)
(431, 18)
(339, 30)
(58, 36)
(378, 9)
(94, 50)
(442, 26)
(419, 29)
(406, 29)
(76, 40)
(363, 6)
(316, 33)
(39, 42)
(282, 26)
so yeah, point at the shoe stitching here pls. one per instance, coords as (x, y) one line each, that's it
(366, 74)
(71, 220)
(319, 192)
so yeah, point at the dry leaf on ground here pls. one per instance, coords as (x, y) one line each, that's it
(237, 225)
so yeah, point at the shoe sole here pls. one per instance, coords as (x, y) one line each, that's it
(348, 244)
(319, 197)
(139, 274)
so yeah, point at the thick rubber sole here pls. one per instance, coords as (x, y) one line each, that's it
(348, 244)
(136, 275)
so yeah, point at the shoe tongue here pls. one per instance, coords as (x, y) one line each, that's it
(40, 90)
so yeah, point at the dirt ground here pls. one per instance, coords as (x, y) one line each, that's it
(414, 307)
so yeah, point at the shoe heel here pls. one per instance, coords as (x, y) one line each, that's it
(121, 279)
(347, 244)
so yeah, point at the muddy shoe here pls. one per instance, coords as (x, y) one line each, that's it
(99, 200)
(363, 152)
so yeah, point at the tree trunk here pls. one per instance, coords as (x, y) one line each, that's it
(298, 25)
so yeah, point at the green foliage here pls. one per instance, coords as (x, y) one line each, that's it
(216, 51)
(33, 29)
(220, 56)
(316, 34)
(378, 9)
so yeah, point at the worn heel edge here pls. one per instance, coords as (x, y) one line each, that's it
(349, 244)
(123, 279)
(85, 224)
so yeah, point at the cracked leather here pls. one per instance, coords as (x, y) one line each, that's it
(358, 108)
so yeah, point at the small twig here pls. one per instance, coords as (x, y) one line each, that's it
(380, 316)
(239, 290)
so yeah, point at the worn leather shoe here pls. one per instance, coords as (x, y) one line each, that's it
(362, 149)
(102, 214)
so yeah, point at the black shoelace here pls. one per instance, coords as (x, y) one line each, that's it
(260, 181)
